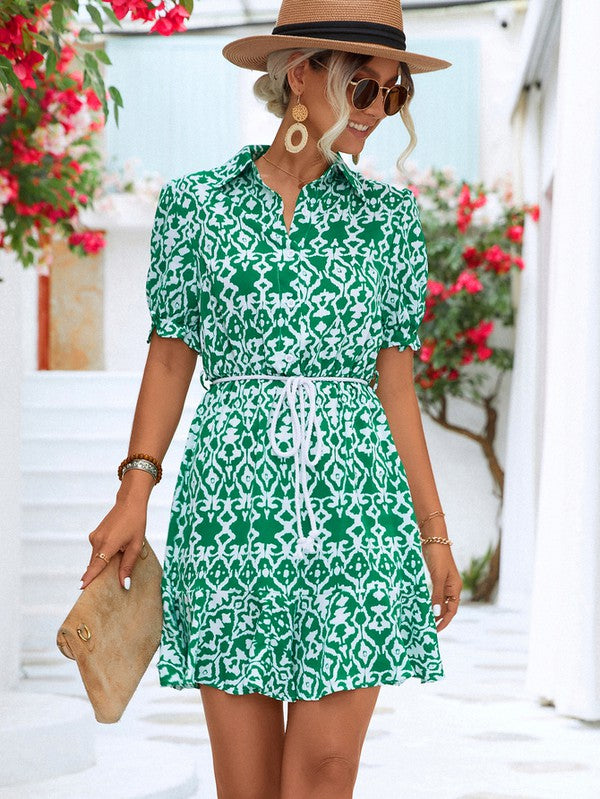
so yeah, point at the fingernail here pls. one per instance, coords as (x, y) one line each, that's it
(127, 583)
(81, 584)
(437, 609)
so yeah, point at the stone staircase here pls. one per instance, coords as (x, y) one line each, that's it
(75, 432)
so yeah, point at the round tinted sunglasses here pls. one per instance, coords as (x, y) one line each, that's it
(366, 91)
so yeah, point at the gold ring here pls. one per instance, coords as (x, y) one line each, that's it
(450, 599)
(103, 556)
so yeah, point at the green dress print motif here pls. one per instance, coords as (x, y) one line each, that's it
(246, 607)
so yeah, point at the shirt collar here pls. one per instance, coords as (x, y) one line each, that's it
(250, 152)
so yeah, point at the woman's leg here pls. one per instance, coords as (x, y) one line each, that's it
(246, 735)
(323, 742)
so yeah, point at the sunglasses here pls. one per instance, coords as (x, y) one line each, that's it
(367, 90)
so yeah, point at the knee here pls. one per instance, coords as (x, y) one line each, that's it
(337, 770)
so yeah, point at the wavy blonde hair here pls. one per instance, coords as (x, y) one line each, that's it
(274, 89)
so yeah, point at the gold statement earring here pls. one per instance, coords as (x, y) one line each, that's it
(299, 113)
(355, 157)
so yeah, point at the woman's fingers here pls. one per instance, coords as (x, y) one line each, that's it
(445, 599)
(101, 554)
(128, 560)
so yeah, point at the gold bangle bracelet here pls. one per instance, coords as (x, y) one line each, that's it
(431, 515)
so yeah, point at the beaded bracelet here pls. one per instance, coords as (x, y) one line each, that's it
(130, 458)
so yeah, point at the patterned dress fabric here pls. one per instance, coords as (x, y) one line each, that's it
(246, 607)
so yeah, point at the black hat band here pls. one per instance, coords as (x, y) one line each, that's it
(347, 31)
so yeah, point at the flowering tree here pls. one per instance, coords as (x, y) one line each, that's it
(52, 104)
(474, 236)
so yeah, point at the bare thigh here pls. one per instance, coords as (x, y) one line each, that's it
(246, 736)
(323, 742)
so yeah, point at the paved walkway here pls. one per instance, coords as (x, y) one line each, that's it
(473, 735)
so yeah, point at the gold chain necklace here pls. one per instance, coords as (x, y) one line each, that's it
(300, 182)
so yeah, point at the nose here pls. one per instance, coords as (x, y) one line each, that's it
(377, 108)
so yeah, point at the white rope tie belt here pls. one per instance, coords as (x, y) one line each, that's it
(304, 422)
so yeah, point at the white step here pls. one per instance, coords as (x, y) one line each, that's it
(51, 748)
(43, 484)
(81, 516)
(75, 432)
(44, 552)
(43, 735)
(87, 449)
(88, 389)
(41, 419)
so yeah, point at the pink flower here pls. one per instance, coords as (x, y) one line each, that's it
(91, 240)
(426, 352)
(468, 281)
(435, 287)
(515, 233)
(479, 334)
(497, 259)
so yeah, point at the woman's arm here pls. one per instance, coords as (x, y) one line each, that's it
(396, 392)
(165, 382)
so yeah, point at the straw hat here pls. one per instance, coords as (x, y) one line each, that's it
(370, 27)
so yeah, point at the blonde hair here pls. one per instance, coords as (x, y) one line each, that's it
(274, 89)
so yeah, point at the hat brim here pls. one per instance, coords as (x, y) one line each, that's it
(250, 52)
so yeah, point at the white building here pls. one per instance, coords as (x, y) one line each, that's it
(551, 515)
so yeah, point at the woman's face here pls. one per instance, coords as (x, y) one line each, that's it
(320, 114)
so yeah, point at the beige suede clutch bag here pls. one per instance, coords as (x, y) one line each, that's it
(113, 633)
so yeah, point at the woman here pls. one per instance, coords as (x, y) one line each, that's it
(294, 568)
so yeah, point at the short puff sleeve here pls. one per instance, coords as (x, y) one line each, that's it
(405, 274)
(172, 290)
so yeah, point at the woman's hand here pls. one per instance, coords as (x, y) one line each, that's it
(445, 580)
(122, 529)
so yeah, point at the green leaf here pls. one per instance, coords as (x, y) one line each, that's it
(102, 55)
(57, 16)
(111, 14)
(95, 15)
(50, 62)
(187, 4)
(116, 95)
(85, 35)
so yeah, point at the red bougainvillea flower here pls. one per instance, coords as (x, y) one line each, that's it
(479, 334)
(472, 257)
(467, 280)
(497, 259)
(434, 287)
(466, 206)
(91, 241)
(25, 155)
(426, 351)
(533, 211)
(66, 56)
(172, 21)
(518, 261)
(515, 233)
(9, 188)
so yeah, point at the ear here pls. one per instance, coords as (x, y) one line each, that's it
(296, 75)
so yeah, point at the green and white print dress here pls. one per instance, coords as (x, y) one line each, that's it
(293, 565)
